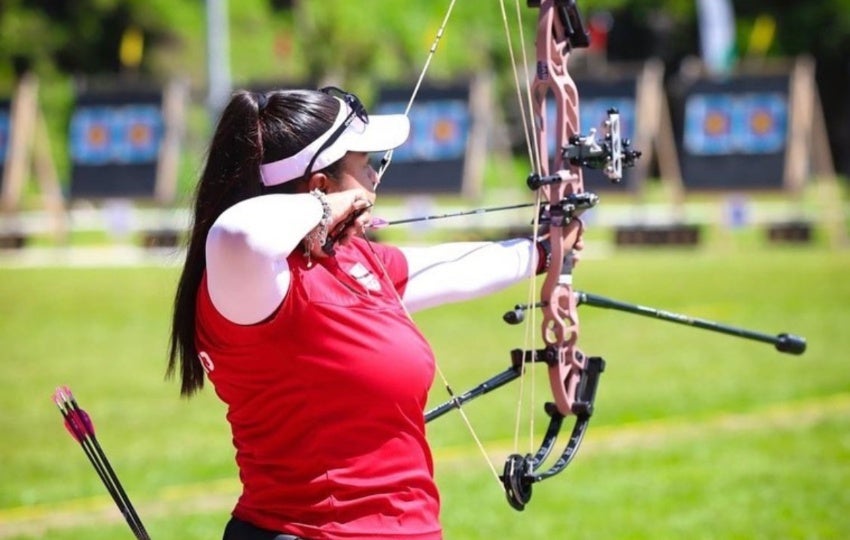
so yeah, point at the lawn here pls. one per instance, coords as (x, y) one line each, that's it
(696, 434)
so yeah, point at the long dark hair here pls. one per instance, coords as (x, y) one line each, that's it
(253, 129)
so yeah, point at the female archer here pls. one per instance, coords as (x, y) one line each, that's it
(303, 326)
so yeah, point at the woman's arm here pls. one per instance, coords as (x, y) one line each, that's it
(464, 270)
(247, 247)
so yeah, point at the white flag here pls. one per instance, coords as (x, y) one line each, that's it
(717, 34)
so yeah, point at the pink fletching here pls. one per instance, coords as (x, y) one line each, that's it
(74, 429)
(79, 424)
(378, 223)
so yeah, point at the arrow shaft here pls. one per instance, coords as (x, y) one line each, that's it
(459, 214)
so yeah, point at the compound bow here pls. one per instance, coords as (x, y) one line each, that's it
(560, 201)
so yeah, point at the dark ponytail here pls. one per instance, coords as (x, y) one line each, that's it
(253, 129)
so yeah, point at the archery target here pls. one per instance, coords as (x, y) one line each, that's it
(438, 130)
(732, 132)
(721, 124)
(129, 134)
(114, 141)
(433, 158)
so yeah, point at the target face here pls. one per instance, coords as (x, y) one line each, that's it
(438, 130)
(720, 124)
(5, 128)
(127, 134)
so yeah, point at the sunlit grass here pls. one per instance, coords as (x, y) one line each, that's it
(696, 434)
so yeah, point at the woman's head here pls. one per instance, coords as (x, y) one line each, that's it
(352, 130)
(274, 142)
(256, 128)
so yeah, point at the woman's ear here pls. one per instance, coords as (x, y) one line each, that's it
(318, 180)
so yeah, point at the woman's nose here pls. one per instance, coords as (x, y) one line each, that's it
(373, 176)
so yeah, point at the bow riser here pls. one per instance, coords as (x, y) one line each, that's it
(559, 31)
(560, 326)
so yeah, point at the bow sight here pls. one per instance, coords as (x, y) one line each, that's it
(610, 156)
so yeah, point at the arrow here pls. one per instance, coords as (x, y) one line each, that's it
(379, 223)
(79, 425)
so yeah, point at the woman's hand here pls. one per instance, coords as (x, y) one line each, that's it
(350, 215)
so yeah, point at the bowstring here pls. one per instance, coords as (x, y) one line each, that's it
(443, 378)
(388, 156)
(524, 101)
(535, 158)
(385, 163)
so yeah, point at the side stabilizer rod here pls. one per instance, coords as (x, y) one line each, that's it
(783, 342)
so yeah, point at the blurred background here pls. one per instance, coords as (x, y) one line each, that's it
(737, 212)
(740, 108)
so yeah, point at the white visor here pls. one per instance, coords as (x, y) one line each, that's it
(383, 132)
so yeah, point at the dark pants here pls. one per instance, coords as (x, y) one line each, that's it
(242, 530)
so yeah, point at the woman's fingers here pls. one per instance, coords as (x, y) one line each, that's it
(349, 213)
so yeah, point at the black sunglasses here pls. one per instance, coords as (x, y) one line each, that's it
(356, 109)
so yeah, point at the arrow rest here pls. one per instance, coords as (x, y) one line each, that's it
(569, 208)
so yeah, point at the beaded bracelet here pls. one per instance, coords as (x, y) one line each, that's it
(319, 234)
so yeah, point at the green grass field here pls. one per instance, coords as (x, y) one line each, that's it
(696, 434)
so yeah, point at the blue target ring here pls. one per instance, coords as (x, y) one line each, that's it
(128, 134)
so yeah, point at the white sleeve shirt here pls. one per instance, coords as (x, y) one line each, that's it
(248, 274)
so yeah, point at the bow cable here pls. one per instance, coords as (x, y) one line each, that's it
(525, 108)
(385, 163)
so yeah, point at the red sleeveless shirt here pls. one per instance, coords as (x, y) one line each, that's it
(325, 402)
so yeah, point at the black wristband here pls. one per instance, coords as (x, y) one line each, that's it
(544, 255)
